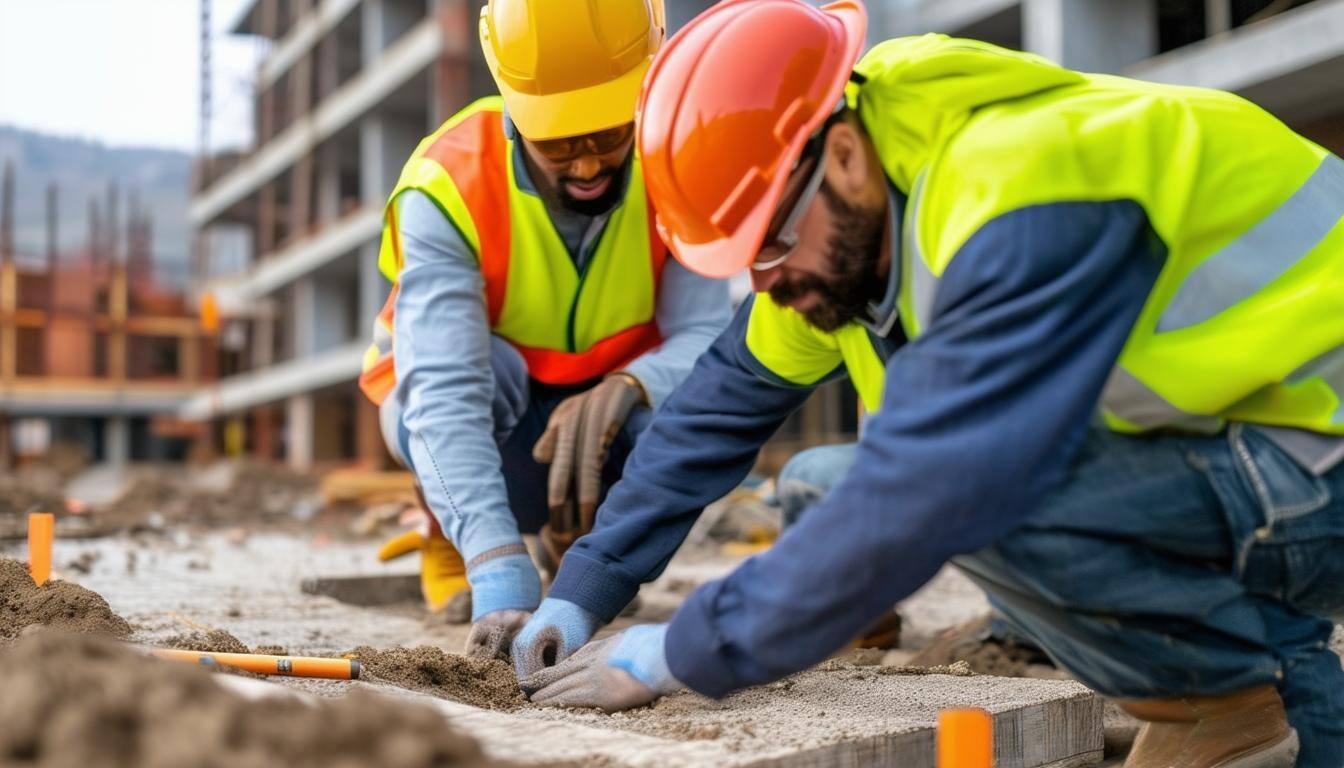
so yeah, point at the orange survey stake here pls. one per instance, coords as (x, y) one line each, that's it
(965, 739)
(261, 664)
(41, 531)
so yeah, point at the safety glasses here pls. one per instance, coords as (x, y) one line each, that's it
(569, 148)
(781, 238)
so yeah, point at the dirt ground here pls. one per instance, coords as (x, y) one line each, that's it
(83, 701)
(219, 566)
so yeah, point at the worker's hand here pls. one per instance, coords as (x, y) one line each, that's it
(578, 437)
(491, 635)
(505, 589)
(625, 670)
(553, 634)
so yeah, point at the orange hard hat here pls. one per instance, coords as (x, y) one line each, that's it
(726, 109)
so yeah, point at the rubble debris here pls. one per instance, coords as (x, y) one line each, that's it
(484, 683)
(56, 604)
(77, 700)
(971, 642)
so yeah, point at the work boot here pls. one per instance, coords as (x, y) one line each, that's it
(883, 633)
(443, 574)
(1248, 729)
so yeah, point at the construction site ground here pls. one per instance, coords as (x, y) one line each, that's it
(252, 586)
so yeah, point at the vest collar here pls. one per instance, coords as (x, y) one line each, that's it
(882, 315)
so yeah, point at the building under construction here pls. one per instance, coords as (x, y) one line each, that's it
(348, 87)
(94, 351)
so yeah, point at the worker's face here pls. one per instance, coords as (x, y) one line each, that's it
(584, 172)
(828, 268)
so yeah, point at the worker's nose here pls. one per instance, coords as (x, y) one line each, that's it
(585, 167)
(762, 280)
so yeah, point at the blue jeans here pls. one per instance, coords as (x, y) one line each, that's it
(521, 408)
(1174, 566)
(1170, 566)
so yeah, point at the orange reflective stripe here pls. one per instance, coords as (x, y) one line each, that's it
(378, 380)
(555, 367)
(474, 154)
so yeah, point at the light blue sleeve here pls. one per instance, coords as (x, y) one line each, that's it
(445, 385)
(692, 311)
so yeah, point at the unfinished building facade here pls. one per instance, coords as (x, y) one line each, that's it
(95, 353)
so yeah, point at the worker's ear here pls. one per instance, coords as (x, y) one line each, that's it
(849, 167)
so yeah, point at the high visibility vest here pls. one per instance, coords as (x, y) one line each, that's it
(570, 325)
(1246, 320)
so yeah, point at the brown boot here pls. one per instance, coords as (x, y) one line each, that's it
(1248, 729)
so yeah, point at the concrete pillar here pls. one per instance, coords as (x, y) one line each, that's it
(373, 289)
(382, 23)
(328, 183)
(299, 432)
(335, 311)
(1217, 16)
(303, 316)
(1091, 35)
(117, 440)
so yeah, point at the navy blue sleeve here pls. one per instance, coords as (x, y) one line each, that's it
(981, 416)
(701, 444)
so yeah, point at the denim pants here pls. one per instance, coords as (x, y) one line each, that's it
(1168, 566)
(521, 409)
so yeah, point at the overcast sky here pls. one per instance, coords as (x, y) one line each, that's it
(124, 72)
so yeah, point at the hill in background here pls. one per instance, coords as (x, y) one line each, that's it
(83, 169)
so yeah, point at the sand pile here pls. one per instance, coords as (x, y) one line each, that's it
(484, 683)
(56, 604)
(73, 700)
(213, 641)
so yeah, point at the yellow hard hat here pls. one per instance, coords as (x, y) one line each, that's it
(567, 68)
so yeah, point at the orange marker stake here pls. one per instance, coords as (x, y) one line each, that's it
(261, 664)
(41, 531)
(965, 739)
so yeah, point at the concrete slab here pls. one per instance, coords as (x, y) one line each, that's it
(840, 717)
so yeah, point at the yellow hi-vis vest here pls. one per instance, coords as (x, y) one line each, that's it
(570, 325)
(1246, 320)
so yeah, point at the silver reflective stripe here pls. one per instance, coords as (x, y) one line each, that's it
(923, 283)
(1132, 400)
(1314, 451)
(1262, 254)
(1329, 367)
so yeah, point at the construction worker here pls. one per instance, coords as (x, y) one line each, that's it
(1099, 327)
(535, 318)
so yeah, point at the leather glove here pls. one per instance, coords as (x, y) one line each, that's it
(553, 634)
(624, 670)
(576, 442)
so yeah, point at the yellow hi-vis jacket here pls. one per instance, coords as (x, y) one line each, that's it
(1246, 320)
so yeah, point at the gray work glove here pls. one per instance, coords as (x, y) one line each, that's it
(625, 670)
(576, 442)
(492, 634)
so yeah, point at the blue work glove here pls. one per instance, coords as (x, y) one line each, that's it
(625, 670)
(504, 592)
(555, 631)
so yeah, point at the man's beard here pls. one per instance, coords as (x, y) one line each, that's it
(603, 203)
(854, 252)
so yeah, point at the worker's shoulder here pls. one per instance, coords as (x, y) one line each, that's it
(472, 138)
(1104, 139)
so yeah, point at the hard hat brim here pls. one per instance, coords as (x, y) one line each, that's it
(574, 113)
(733, 252)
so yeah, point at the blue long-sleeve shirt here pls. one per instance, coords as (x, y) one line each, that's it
(445, 387)
(981, 416)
